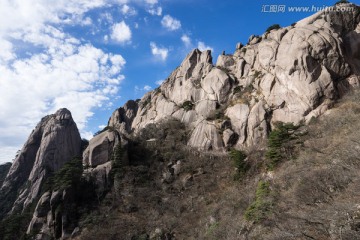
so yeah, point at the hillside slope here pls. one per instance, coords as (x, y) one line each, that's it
(312, 195)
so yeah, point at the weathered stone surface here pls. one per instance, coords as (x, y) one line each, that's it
(257, 128)
(225, 61)
(217, 85)
(100, 148)
(48, 221)
(54, 141)
(238, 115)
(123, 117)
(101, 175)
(206, 136)
(205, 107)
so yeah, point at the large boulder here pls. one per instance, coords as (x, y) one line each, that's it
(100, 148)
(206, 136)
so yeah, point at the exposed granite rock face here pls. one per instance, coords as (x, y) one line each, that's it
(123, 117)
(289, 74)
(54, 141)
(48, 221)
(100, 148)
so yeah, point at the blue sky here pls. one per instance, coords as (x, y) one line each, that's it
(93, 56)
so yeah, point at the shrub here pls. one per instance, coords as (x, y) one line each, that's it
(187, 105)
(237, 89)
(238, 158)
(261, 207)
(68, 176)
(272, 27)
(278, 147)
(118, 161)
(256, 75)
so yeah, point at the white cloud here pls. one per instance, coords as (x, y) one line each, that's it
(170, 23)
(147, 88)
(159, 82)
(6, 53)
(160, 52)
(152, 2)
(87, 21)
(80, 81)
(55, 70)
(155, 11)
(101, 127)
(186, 40)
(202, 47)
(127, 10)
(121, 32)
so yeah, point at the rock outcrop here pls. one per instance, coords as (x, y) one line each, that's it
(54, 141)
(52, 217)
(290, 74)
(100, 148)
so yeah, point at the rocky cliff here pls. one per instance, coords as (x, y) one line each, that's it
(290, 74)
(146, 163)
(53, 142)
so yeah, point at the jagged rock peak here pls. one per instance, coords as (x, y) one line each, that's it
(53, 142)
(290, 74)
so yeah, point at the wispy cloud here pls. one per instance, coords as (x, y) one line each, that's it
(152, 2)
(159, 82)
(145, 88)
(155, 11)
(160, 52)
(170, 23)
(186, 40)
(126, 10)
(202, 47)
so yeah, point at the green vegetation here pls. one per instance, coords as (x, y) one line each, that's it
(211, 229)
(256, 75)
(272, 27)
(4, 169)
(237, 89)
(15, 226)
(117, 161)
(216, 114)
(261, 207)
(279, 146)
(147, 101)
(187, 105)
(68, 176)
(238, 158)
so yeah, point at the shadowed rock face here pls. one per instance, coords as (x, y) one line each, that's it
(290, 74)
(53, 142)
